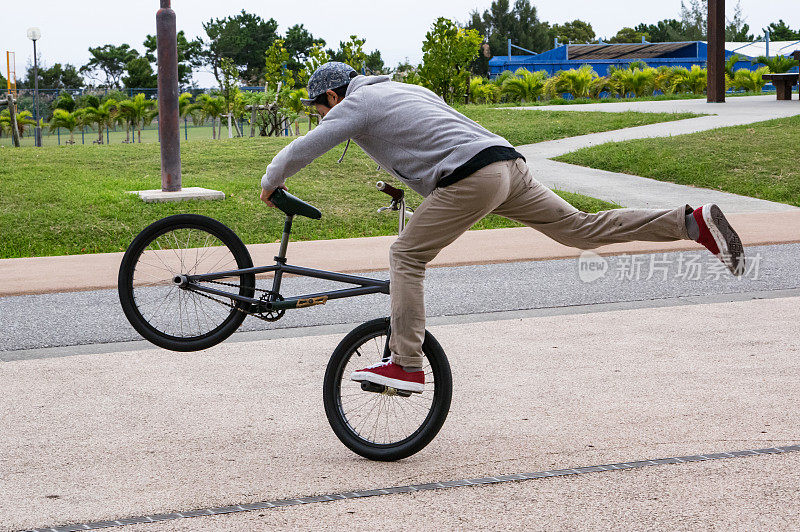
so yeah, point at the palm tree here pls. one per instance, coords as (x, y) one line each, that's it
(694, 80)
(187, 108)
(525, 86)
(482, 90)
(103, 115)
(749, 80)
(5, 121)
(778, 64)
(600, 85)
(642, 82)
(24, 119)
(124, 112)
(212, 107)
(139, 111)
(663, 81)
(65, 119)
(83, 118)
(577, 82)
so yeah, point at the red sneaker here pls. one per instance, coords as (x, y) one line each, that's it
(391, 374)
(718, 236)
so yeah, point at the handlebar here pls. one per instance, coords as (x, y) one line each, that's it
(395, 193)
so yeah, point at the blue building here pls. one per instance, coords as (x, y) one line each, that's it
(602, 56)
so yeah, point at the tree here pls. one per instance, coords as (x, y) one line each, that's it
(736, 29)
(276, 68)
(300, 43)
(374, 62)
(780, 31)
(667, 30)
(140, 74)
(57, 76)
(66, 102)
(694, 19)
(576, 31)
(102, 115)
(65, 119)
(229, 88)
(211, 107)
(317, 56)
(243, 39)
(447, 54)
(138, 111)
(500, 23)
(109, 60)
(628, 35)
(350, 52)
(190, 56)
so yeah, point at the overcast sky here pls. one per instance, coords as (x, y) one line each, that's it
(396, 28)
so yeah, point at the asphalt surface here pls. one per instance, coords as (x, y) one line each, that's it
(113, 435)
(81, 318)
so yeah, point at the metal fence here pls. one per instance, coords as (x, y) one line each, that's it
(191, 128)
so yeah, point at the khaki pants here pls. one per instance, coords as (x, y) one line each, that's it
(506, 188)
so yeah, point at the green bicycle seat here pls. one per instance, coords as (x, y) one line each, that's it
(292, 205)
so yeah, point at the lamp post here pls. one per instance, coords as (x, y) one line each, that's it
(35, 34)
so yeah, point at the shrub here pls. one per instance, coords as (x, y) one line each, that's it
(524, 85)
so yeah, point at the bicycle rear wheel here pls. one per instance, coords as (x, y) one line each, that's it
(173, 317)
(382, 424)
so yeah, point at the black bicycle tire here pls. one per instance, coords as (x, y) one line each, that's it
(134, 251)
(430, 426)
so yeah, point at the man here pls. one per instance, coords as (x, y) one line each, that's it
(464, 172)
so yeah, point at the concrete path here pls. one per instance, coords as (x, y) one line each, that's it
(114, 435)
(641, 192)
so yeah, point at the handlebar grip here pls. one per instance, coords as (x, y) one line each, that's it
(386, 188)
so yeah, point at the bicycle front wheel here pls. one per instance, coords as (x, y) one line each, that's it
(383, 423)
(178, 318)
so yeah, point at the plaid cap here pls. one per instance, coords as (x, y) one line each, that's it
(328, 76)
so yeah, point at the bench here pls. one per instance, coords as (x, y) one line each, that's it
(783, 84)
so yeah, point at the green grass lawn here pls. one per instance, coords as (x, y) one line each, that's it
(522, 126)
(60, 200)
(758, 160)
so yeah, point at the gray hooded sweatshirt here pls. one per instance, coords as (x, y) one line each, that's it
(407, 129)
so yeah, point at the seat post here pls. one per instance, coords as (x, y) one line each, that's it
(287, 230)
(281, 256)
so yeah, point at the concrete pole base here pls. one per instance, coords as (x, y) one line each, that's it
(188, 193)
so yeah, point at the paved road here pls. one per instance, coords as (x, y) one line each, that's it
(79, 318)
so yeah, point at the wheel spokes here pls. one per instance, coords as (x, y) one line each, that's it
(381, 418)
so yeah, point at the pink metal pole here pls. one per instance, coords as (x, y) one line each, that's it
(168, 119)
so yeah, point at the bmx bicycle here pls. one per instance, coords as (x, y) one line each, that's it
(187, 282)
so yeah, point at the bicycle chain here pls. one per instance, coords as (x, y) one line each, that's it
(269, 315)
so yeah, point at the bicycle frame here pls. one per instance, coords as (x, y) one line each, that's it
(366, 285)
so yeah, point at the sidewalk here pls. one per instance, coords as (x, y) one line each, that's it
(39, 275)
(120, 434)
(640, 192)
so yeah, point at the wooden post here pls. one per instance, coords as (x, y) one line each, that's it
(715, 91)
(12, 110)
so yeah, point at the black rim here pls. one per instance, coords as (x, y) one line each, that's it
(374, 419)
(205, 310)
